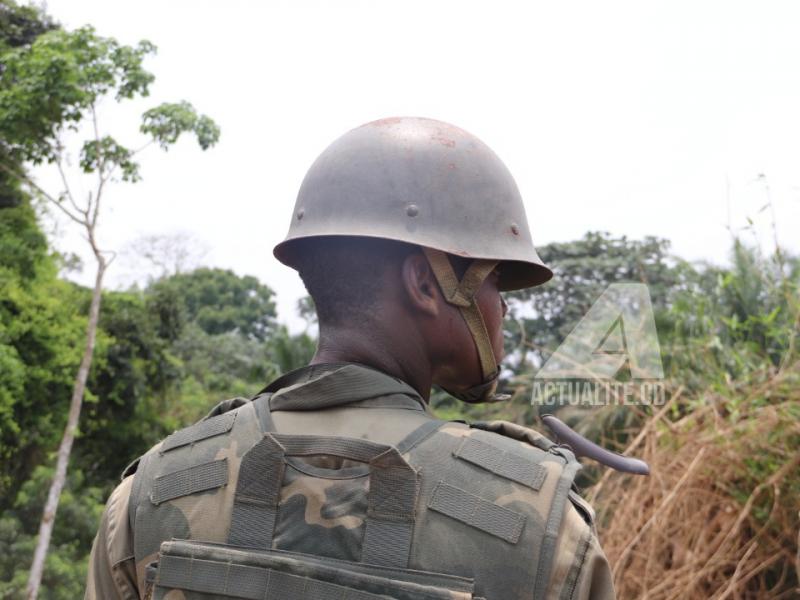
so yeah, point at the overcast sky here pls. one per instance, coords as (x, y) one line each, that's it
(635, 118)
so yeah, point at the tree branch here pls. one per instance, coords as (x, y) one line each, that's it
(23, 177)
(113, 256)
(100, 169)
(89, 205)
(140, 148)
(67, 189)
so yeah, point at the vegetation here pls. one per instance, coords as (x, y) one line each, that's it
(717, 519)
(51, 84)
(163, 358)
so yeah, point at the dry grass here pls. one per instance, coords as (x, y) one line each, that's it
(718, 518)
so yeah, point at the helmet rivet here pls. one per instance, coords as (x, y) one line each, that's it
(515, 229)
(300, 214)
(412, 210)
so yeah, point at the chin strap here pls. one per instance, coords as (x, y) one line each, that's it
(461, 293)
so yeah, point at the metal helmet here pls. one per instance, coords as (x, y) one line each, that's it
(419, 181)
(434, 185)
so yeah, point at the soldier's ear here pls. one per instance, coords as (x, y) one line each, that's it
(419, 282)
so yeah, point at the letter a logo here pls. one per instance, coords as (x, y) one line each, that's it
(618, 329)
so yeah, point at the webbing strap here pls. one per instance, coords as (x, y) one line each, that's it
(255, 504)
(446, 276)
(548, 546)
(392, 498)
(194, 479)
(571, 580)
(231, 580)
(473, 510)
(474, 277)
(502, 462)
(261, 405)
(386, 542)
(419, 435)
(477, 327)
(207, 428)
(462, 294)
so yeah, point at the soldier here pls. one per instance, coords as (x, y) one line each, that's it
(336, 481)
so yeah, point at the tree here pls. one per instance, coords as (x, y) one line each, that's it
(39, 329)
(47, 88)
(168, 254)
(20, 25)
(219, 301)
(582, 269)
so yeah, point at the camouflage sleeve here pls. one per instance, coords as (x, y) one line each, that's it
(112, 571)
(580, 570)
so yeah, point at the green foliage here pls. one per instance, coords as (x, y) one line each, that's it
(23, 246)
(133, 371)
(52, 80)
(167, 122)
(20, 25)
(718, 328)
(219, 301)
(166, 354)
(40, 334)
(79, 511)
(541, 318)
(104, 155)
(57, 79)
(288, 352)
(738, 324)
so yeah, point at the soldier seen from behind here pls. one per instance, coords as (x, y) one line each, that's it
(336, 481)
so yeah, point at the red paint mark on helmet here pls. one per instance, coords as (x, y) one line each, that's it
(444, 140)
(386, 122)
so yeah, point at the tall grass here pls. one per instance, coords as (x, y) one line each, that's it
(718, 518)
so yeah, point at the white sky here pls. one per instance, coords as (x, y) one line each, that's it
(636, 118)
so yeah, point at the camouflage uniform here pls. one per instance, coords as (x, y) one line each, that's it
(338, 483)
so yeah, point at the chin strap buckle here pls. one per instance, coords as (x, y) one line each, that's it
(461, 293)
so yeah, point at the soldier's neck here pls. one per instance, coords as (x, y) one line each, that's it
(379, 350)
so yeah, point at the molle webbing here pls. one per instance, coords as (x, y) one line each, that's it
(473, 510)
(554, 518)
(278, 575)
(207, 428)
(506, 464)
(173, 485)
(571, 580)
(198, 478)
(393, 489)
(255, 583)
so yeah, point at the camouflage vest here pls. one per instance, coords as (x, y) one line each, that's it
(230, 508)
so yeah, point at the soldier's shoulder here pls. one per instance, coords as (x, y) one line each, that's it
(511, 461)
(465, 452)
(503, 439)
(216, 426)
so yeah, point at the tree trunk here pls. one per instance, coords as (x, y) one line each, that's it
(64, 449)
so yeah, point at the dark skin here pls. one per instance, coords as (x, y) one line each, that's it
(414, 333)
